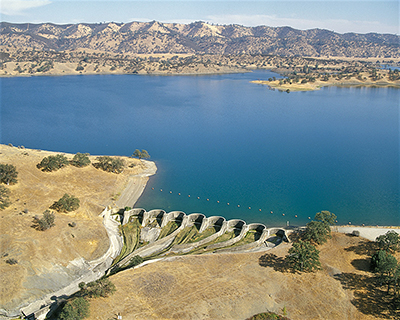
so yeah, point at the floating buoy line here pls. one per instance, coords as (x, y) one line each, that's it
(227, 203)
(239, 206)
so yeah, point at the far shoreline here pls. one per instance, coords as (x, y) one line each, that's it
(318, 85)
(274, 85)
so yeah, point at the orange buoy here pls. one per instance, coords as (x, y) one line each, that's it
(170, 192)
(259, 209)
(189, 195)
(228, 203)
(152, 188)
(238, 205)
(295, 215)
(208, 199)
(283, 214)
(179, 194)
(198, 197)
(249, 208)
(160, 189)
(217, 201)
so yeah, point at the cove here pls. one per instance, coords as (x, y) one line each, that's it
(224, 139)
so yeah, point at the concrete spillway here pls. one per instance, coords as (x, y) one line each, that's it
(201, 232)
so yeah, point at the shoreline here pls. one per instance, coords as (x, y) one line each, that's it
(367, 232)
(204, 73)
(135, 186)
(317, 85)
(295, 87)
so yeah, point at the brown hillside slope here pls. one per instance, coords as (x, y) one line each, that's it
(197, 38)
(236, 286)
(43, 255)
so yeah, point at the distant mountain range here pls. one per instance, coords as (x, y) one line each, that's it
(197, 38)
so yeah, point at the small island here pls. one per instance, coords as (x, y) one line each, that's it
(342, 74)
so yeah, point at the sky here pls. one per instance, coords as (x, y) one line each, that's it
(340, 16)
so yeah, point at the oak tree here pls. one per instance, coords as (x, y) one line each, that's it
(303, 256)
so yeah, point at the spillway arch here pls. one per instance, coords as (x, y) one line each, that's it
(159, 218)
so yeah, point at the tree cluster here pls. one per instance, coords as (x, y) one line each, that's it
(109, 164)
(53, 163)
(80, 160)
(140, 154)
(44, 223)
(100, 288)
(66, 203)
(79, 308)
(303, 255)
(8, 174)
(385, 265)
(75, 309)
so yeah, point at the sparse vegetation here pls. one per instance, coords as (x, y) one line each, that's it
(136, 260)
(267, 316)
(8, 174)
(100, 288)
(131, 235)
(53, 163)
(4, 197)
(12, 261)
(66, 203)
(170, 227)
(44, 223)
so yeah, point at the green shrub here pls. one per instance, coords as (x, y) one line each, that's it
(8, 174)
(303, 256)
(317, 232)
(75, 309)
(66, 203)
(140, 154)
(4, 197)
(53, 163)
(390, 241)
(80, 160)
(106, 163)
(46, 222)
(267, 316)
(136, 260)
(11, 261)
(99, 288)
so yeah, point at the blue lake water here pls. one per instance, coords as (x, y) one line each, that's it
(224, 139)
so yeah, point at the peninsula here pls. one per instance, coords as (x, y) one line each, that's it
(47, 261)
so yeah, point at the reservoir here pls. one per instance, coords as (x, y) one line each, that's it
(238, 149)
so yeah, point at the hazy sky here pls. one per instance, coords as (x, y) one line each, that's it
(340, 16)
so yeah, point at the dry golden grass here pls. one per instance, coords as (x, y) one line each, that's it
(39, 252)
(236, 286)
